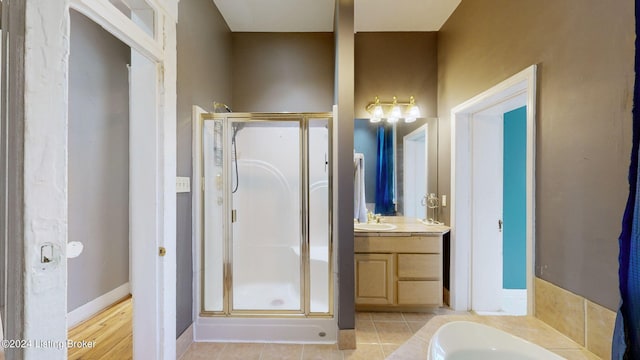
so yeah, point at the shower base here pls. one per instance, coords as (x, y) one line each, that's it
(266, 296)
(272, 330)
(271, 296)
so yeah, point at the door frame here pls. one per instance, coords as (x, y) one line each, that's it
(37, 161)
(409, 171)
(523, 86)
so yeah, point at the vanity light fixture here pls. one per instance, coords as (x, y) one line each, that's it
(393, 110)
(378, 113)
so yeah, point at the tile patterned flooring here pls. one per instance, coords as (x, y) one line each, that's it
(394, 336)
(378, 334)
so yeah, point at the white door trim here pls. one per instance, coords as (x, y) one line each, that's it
(115, 22)
(409, 170)
(45, 181)
(521, 83)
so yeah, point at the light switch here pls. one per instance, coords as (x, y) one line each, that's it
(183, 184)
(444, 200)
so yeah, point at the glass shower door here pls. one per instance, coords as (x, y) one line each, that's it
(319, 277)
(266, 187)
(214, 215)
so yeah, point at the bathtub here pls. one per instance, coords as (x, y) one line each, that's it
(461, 340)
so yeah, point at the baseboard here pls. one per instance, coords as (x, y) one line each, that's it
(94, 306)
(346, 339)
(184, 341)
(514, 301)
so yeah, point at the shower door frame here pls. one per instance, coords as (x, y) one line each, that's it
(303, 119)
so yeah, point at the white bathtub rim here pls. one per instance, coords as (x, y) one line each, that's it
(449, 334)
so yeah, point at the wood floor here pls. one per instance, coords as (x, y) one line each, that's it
(110, 330)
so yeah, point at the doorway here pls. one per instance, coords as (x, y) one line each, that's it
(498, 276)
(477, 182)
(35, 121)
(98, 172)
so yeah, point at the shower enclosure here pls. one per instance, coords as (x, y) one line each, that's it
(265, 259)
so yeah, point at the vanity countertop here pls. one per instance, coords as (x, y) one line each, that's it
(405, 226)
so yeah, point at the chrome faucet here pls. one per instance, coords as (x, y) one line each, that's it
(373, 218)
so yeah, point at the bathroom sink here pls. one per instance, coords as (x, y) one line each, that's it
(374, 227)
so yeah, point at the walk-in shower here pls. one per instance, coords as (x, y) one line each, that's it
(265, 254)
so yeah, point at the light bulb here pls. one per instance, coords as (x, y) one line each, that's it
(375, 119)
(392, 119)
(396, 112)
(414, 112)
(378, 112)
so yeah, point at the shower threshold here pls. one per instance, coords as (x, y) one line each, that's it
(271, 330)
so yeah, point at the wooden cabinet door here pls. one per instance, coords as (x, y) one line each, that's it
(374, 279)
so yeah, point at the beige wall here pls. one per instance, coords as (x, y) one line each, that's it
(204, 75)
(274, 72)
(584, 50)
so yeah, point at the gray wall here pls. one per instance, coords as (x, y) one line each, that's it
(585, 53)
(343, 161)
(204, 75)
(274, 72)
(98, 161)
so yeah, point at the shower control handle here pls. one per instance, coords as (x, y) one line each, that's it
(326, 162)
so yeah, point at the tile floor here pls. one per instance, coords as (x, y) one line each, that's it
(378, 334)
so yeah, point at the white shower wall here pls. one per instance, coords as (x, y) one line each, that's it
(267, 269)
(267, 230)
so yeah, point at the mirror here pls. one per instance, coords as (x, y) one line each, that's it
(413, 162)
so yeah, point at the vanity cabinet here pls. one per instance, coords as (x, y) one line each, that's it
(398, 270)
(375, 275)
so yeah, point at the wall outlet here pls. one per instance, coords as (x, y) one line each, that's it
(183, 184)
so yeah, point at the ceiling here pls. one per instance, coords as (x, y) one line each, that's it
(317, 15)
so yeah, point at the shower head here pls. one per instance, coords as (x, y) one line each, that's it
(217, 106)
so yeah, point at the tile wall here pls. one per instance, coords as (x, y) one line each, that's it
(583, 321)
